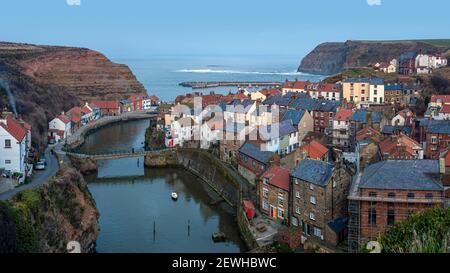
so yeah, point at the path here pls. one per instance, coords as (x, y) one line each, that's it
(39, 177)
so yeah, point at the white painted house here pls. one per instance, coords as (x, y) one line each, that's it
(13, 146)
(59, 128)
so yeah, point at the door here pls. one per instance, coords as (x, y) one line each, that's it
(273, 212)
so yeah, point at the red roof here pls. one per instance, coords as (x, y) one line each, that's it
(343, 115)
(278, 177)
(86, 109)
(106, 104)
(154, 98)
(315, 150)
(443, 98)
(75, 110)
(389, 144)
(270, 92)
(296, 84)
(447, 159)
(14, 128)
(445, 109)
(75, 118)
(240, 96)
(324, 87)
(64, 119)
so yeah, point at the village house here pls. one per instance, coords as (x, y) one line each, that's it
(437, 138)
(282, 102)
(388, 68)
(211, 133)
(235, 135)
(107, 107)
(322, 111)
(59, 128)
(239, 111)
(319, 198)
(273, 193)
(295, 86)
(183, 130)
(388, 192)
(14, 137)
(407, 63)
(253, 162)
(362, 119)
(341, 129)
(393, 93)
(363, 90)
(404, 118)
(262, 95)
(301, 119)
(312, 149)
(281, 138)
(126, 106)
(324, 91)
(369, 134)
(401, 147)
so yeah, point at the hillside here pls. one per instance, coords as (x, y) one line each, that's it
(46, 80)
(331, 58)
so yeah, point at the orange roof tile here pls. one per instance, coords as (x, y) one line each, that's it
(343, 115)
(278, 177)
(315, 149)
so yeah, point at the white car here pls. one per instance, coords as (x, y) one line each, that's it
(40, 166)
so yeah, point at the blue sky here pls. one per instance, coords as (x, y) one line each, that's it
(146, 28)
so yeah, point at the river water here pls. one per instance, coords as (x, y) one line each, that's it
(137, 213)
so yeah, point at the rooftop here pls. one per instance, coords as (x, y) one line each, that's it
(313, 171)
(402, 175)
(278, 177)
(254, 152)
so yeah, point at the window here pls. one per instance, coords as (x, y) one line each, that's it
(7, 162)
(265, 205)
(429, 196)
(433, 139)
(391, 217)
(312, 216)
(280, 201)
(317, 232)
(372, 194)
(313, 200)
(297, 194)
(410, 195)
(297, 210)
(391, 195)
(372, 217)
(7, 143)
(311, 187)
(281, 213)
(265, 192)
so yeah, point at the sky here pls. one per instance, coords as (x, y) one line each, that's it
(148, 28)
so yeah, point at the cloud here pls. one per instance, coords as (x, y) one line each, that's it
(374, 2)
(73, 2)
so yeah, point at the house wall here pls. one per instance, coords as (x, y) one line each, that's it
(269, 201)
(13, 158)
(401, 209)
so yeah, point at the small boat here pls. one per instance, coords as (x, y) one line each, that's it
(219, 237)
(174, 196)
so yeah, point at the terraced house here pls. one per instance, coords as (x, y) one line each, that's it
(253, 162)
(319, 200)
(363, 90)
(273, 193)
(281, 138)
(437, 137)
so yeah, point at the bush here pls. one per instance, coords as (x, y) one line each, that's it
(427, 232)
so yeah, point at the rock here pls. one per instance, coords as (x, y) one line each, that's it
(331, 58)
(46, 80)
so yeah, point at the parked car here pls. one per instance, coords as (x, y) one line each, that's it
(51, 141)
(40, 166)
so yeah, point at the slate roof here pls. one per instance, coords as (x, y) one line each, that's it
(294, 115)
(313, 171)
(285, 127)
(309, 104)
(254, 152)
(393, 87)
(439, 127)
(402, 175)
(339, 224)
(389, 129)
(360, 116)
(374, 81)
(237, 106)
(278, 100)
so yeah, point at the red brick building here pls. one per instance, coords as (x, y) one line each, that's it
(388, 192)
(437, 138)
(273, 193)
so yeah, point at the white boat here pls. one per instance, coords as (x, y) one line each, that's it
(174, 196)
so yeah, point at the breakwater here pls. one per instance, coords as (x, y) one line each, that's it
(201, 85)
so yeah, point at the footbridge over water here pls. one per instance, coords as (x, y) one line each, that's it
(117, 154)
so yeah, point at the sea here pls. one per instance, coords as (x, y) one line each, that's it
(161, 76)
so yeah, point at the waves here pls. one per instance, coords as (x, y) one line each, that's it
(217, 71)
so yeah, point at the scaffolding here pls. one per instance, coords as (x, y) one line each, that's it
(401, 205)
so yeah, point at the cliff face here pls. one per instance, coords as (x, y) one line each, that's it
(331, 58)
(47, 80)
(44, 220)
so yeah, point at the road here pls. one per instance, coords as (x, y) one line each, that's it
(39, 177)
